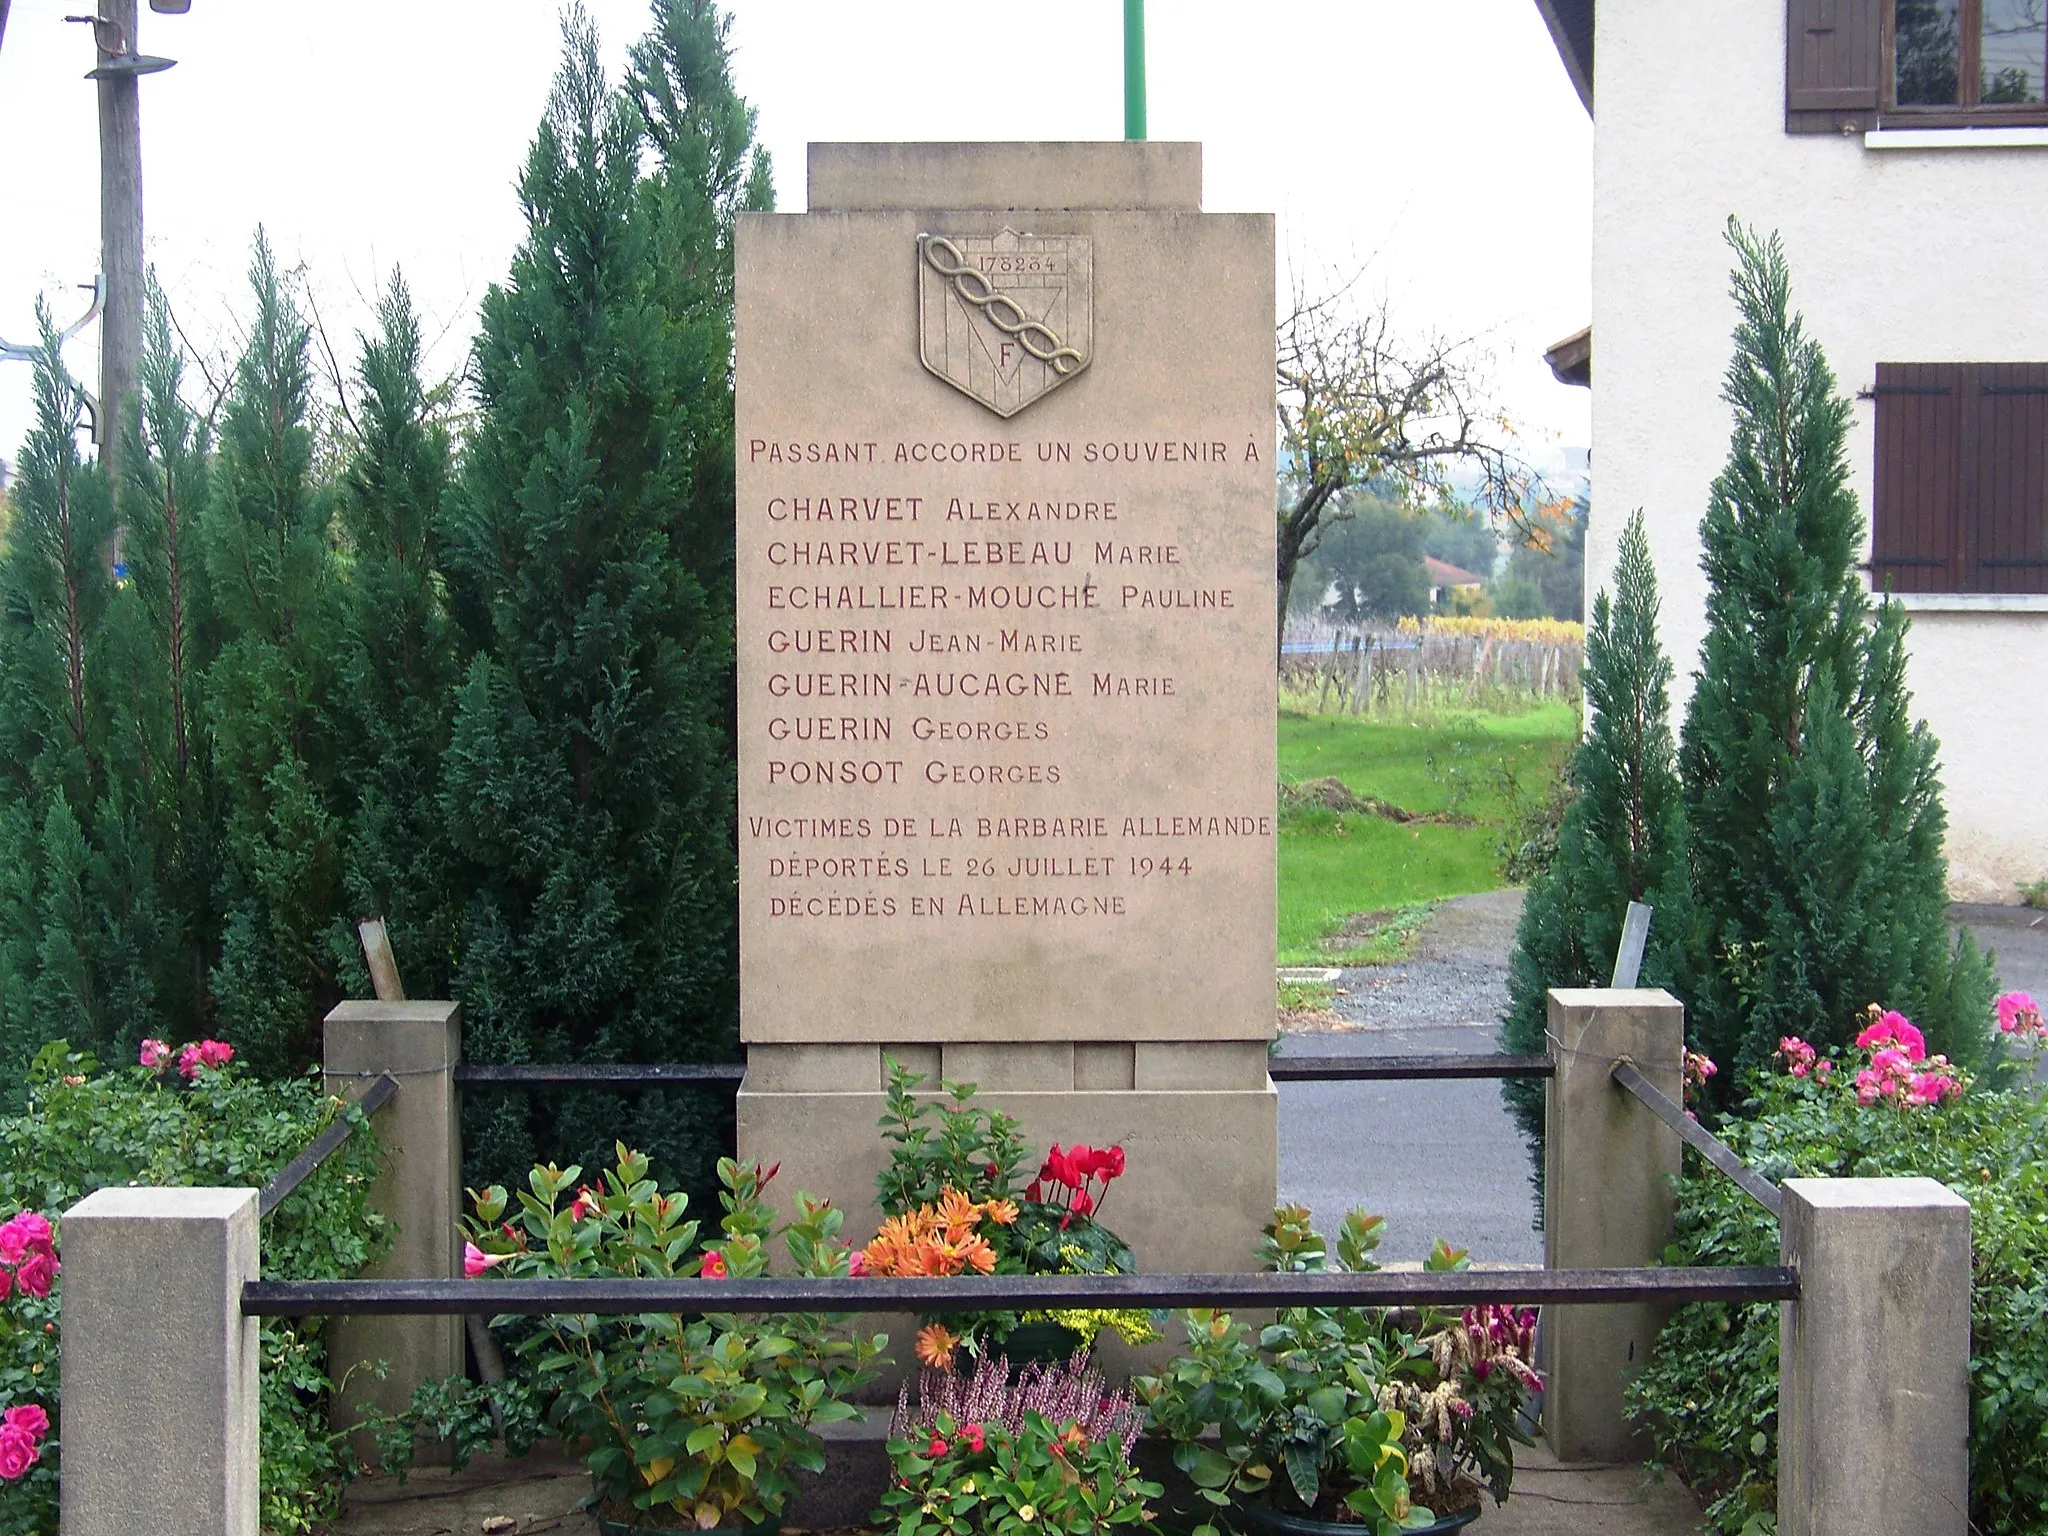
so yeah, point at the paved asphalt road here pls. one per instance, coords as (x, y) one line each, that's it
(1441, 1158)
(1437, 1159)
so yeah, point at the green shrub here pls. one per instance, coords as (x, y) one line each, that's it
(1709, 1396)
(1813, 810)
(82, 1132)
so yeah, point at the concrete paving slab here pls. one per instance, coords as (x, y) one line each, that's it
(1550, 1500)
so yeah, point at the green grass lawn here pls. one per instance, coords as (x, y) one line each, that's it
(1335, 865)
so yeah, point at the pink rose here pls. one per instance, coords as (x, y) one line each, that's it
(1910, 1040)
(23, 1234)
(30, 1417)
(6, 1283)
(207, 1053)
(18, 1452)
(35, 1227)
(155, 1054)
(35, 1274)
(2018, 1013)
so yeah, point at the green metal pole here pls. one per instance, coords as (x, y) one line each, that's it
(1134, 69)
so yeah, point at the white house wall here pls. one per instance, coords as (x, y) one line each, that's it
(1899, 256)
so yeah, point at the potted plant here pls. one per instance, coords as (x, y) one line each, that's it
(951, 1205)
(1049, 1450)
(686, 1422)
(1335, 1417)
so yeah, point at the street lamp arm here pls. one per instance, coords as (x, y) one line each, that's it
(22, 354)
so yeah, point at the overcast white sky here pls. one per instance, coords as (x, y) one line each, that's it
(1437, 145)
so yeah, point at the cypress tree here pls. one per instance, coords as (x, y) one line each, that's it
(589, 777)
(1813, 800)
(264, 532)
(77, 912)
(398, 665)
(168, 637)
(1623, 836)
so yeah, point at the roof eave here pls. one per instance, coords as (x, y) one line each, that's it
(1571, 29)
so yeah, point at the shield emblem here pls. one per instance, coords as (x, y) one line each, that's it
(1007, 318)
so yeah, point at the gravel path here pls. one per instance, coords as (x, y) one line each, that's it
(1437, 1159)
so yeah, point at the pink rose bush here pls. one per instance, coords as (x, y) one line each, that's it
(205, 1055)
(28, 1263)
(194, 1058)
(1896, 1069)
(28, 1258)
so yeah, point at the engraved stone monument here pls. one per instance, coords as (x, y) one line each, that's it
(1005, 575)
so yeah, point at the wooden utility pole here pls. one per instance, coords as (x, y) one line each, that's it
(120, 229)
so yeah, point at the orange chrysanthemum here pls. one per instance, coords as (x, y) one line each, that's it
(956, 1210)
(931, 1241)
(935, 1347)
(1001, 1212)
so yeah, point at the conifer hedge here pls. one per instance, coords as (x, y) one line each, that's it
(484, 689)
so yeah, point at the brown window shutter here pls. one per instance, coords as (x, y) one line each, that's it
(1834, 64)
(2006, 532)
(1914, 525)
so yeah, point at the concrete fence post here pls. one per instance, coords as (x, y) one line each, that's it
(419, 1190)
(1608, 1171)
(1874, 1359)
(160, 1395)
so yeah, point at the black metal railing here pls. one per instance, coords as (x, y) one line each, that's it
(1363, 1067)
(603, 1075)
(1700, 1139)
(321, 1147)
(1381, 1288)
(1370, 1068)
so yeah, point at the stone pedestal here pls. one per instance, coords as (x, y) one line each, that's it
(1608, 1168)
(1006, 637)
(418, 1189)
(1200, 1176)
(1874, 1399)
(160, 1422)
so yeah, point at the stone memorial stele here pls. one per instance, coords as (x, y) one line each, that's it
(1006, 749)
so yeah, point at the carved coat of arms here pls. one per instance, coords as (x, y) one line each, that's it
(1007, 318)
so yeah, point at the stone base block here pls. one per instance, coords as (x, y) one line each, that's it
(1199, 1183)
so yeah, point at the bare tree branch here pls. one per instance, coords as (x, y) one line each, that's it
(1359, 403)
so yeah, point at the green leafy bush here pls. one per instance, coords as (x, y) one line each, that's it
(682, 1418)
(1709, 1396)
(83, 1131)
(1346, 1413)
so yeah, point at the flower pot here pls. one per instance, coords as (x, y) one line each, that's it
(1040, 1343)
(1264, 1518)
(772, 1526)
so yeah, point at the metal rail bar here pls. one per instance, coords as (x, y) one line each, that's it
(1294, 1069)
(603, 1075)
(300, 1168)
(1370, 1069)
(1697, 1136)
(1383, 1288)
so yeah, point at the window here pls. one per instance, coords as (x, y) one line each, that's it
(1961, 501)
(1968, 53)
(1918, 63)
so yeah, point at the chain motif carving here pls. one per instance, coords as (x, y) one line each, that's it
(1002, 311)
